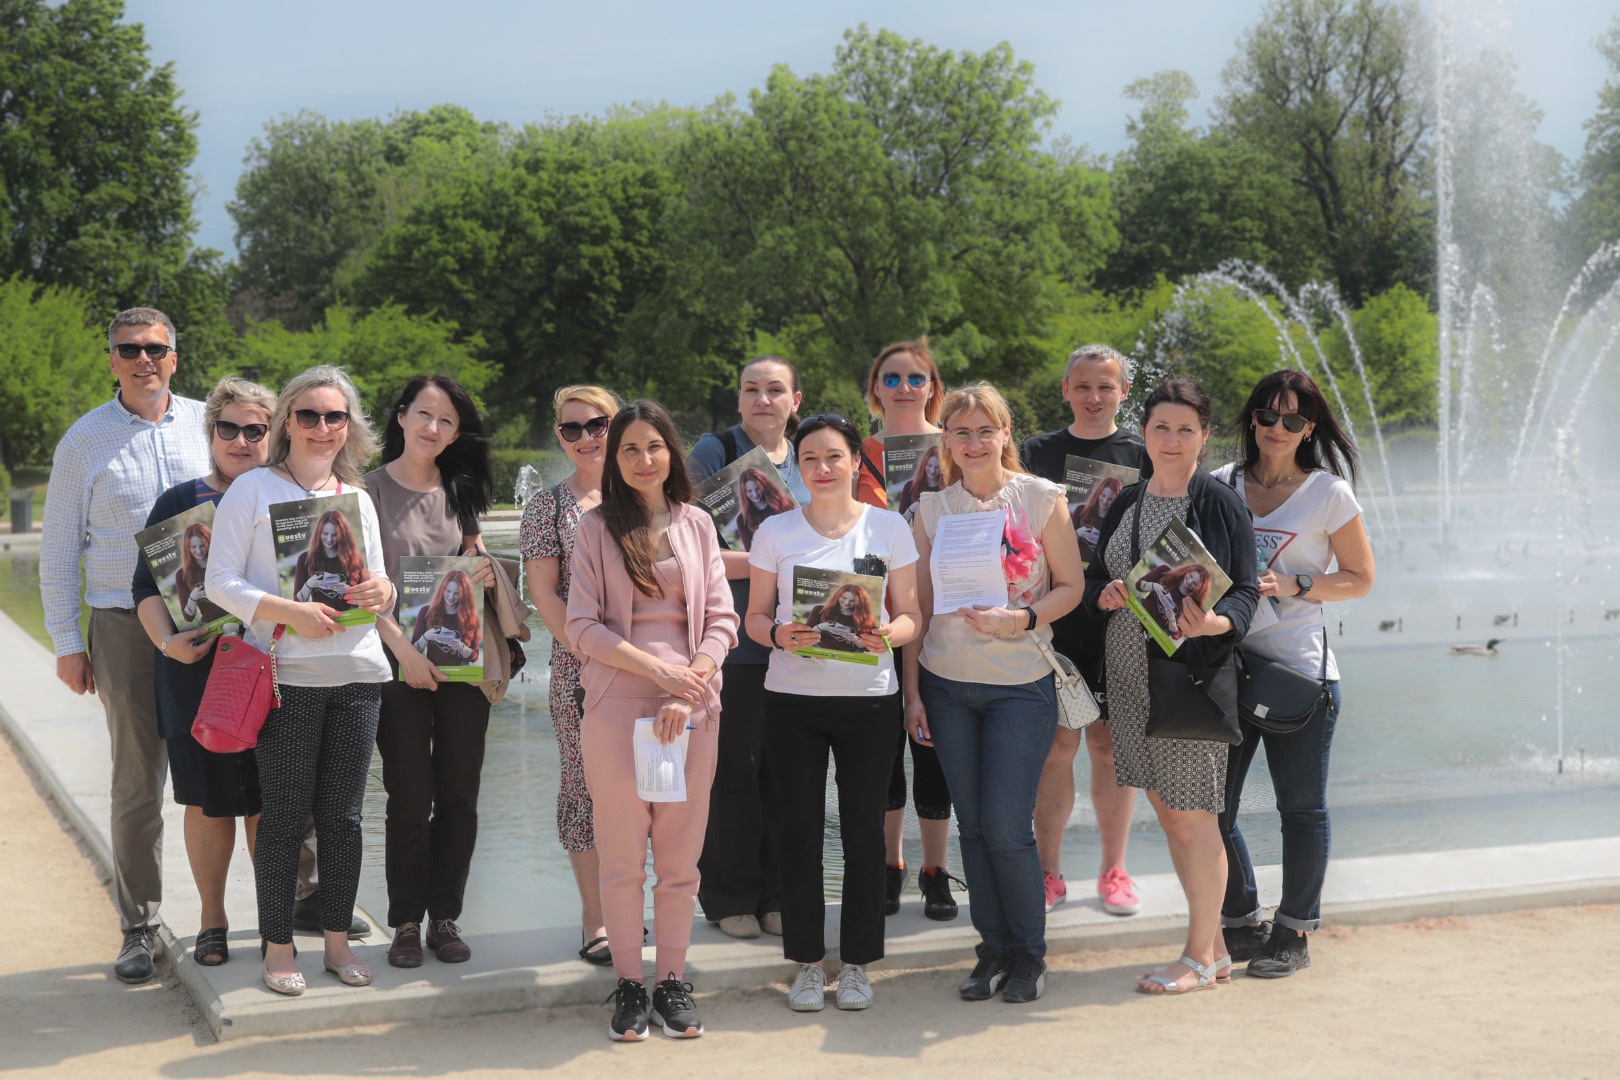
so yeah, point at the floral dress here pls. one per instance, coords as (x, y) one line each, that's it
(549, 522)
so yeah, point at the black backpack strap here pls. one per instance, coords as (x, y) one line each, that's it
(868, 463)
(728, 443)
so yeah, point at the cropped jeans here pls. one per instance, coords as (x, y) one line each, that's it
(1299, 770)
(992, 743)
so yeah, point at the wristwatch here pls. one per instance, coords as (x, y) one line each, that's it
(1304, 582)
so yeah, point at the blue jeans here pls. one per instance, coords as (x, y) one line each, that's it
(1299, 770)
(992, 743)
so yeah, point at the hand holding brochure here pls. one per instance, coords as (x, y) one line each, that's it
(1175, 567)
(1092, 487)
(660, 766)
(176, 550)
(742, 495)
(911, 466)
(965, 565)
(320, 552)
(440, 610)
(841, 606)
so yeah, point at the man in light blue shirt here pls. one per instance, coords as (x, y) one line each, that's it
(109, 469)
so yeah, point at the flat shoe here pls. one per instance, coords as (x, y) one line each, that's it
(740, 926)
(595, 951)
(1205, 974)
(290, 985)
(212, 947)
(350, 974)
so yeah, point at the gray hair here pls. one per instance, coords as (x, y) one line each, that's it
(1100, 352)
(140, 316)
(234, 390)
(358, 448)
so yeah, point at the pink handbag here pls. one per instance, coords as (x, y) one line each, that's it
(241, 691)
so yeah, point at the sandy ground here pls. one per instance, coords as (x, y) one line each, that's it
(1522, 995)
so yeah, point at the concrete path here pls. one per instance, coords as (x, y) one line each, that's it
(64, 739)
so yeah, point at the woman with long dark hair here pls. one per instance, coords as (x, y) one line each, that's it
(651, 619)
(1296, 477)
(433, 484)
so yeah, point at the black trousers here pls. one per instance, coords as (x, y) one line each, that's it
(738, 868)
(432, 745)
(314, 752)
(860, 733)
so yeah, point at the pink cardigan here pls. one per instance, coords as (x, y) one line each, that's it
(601, 596)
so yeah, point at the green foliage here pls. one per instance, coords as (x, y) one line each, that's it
(94, 152)
(53, 368)
(1225, 341)
(195, 297)
(1595, 216)
(1400, 345)
(506, 464)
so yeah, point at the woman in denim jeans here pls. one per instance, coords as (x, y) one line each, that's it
(981, 691)
(1295, 459)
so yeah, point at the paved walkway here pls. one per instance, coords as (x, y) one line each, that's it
(63, 737)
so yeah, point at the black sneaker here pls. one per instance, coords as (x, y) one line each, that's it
(891, 893)
(672, 1010)
(629, 1023)
(1283, 955)
(988, 975)
(1026, 979)
(1246, 942)
(938, 904)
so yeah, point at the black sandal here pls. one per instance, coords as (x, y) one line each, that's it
(591, 954)
(212, 947)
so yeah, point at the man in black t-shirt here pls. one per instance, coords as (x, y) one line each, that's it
(1096, 381)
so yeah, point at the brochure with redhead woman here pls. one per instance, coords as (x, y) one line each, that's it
(176, 550)
(1092, 487)
(742, 495)
(320, 552)
(842, 606)
(440, 606)
(911, 467)
(1175, 567)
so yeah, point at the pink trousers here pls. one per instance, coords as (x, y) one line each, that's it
(623, 824)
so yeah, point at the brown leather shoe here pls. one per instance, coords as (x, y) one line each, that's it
(444, 938)
(406, 951)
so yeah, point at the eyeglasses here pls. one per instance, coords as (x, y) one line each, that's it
(251, 432)
(1291, 421)
(155, 350)
(309, 418)
(572, 431)
(963, 436)
(916, 380)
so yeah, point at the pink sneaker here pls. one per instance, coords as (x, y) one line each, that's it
(1118, 892)
(1057, 890)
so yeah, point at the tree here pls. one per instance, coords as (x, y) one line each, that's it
(53, 368)
(94, 152)
(1400, 345)
(1332, 91)
(1595, 215)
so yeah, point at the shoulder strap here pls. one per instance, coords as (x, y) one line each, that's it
(728, 443)
(556, 508)
(867, 462)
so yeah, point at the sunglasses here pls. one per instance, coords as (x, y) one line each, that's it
(1292, 422)
(916, 380)
(251, 432)
(309, 418)
(155, 351)
(821, 419)
(573, 431)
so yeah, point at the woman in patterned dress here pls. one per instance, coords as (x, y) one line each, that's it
(1184, 778)
(546, 542)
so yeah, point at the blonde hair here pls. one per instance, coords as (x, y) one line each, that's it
(987, 399)
(359, 447)
(235, 390)
(920, 352)
(594, 396)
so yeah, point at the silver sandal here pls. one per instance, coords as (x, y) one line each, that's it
(1205, 973)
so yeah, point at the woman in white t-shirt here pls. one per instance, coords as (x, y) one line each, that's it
(1293, 478)
(842, 698)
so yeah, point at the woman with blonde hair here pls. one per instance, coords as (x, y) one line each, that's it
(546, 543)
(981, 688)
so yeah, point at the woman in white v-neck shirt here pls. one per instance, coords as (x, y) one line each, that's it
(1306, 519)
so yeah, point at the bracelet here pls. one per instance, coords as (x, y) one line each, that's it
(1033, 619)
(164, 648)
(775, 626)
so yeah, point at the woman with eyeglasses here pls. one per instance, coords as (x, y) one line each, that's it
(820, 705)
(739, 890)
(215, 789)
(1296, 476)
(904, 392)
(315, 748)
(982, 691)
(433, 484)
(546, 543)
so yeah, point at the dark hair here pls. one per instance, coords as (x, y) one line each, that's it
(1186, 392)
(622, 510)
(1328, 447)
(793, 379)
(837, 422)
(464, 467)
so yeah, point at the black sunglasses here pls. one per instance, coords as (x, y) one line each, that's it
(251, 432)
(822, 418)
(309, 418)
(916, 380)
(1292, 422)
(154, 350)
(573, 430)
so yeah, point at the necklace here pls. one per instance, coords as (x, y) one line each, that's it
(307, 489)
(1280, 480)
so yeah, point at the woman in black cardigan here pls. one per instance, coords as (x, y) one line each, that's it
(1184, 778)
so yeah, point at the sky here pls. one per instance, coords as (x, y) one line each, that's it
(243, 65)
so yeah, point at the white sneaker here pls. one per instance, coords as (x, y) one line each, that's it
(854, 989)
(809, 990)
(740, 926)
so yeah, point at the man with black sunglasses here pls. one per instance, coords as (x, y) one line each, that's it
(108, 471)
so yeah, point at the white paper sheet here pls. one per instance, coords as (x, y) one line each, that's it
(965, 566)
(660, 767)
